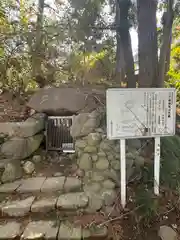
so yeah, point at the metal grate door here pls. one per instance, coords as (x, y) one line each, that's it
(58, 135)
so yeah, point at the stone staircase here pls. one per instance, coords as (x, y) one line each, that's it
(43, 208)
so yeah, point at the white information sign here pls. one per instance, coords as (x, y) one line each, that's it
(140, 113)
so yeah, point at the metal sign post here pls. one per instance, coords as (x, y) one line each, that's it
(156, 165)
(123, 171)
(140, 113)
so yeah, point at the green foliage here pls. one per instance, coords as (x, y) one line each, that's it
(174, 72)
(169, 178)
(69, 50)
(91, 67)
(78, 43)
(170, 169)
(15, 65)
(149, 204)
(170, 164)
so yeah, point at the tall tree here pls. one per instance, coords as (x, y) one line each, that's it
(120, 63)
(125, 40)
(38, 51)
(147, 35)
(165, 49)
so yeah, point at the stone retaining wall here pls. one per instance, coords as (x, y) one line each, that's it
(98, 158)
(20, 139)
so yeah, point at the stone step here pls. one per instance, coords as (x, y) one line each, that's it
(49, 229)
(42, 184)
(65, 203)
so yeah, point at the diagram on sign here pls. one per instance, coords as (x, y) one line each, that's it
(140, 114)
(141, 127)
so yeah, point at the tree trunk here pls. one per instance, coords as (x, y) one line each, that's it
(38, 49)
(123, 30)
(147, 35)
(168, 57)
(166, 43)
(120, 64)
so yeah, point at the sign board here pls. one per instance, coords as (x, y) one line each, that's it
(140, 113)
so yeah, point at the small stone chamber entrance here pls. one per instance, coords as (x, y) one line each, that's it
(58, 137)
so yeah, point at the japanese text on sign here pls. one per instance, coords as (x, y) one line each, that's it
(136, 113)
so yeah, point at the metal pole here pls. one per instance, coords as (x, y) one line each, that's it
(123, 171)
(157, 165)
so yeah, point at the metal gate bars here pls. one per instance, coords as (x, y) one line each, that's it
(58, 135)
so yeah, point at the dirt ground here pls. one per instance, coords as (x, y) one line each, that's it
(12, 108)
